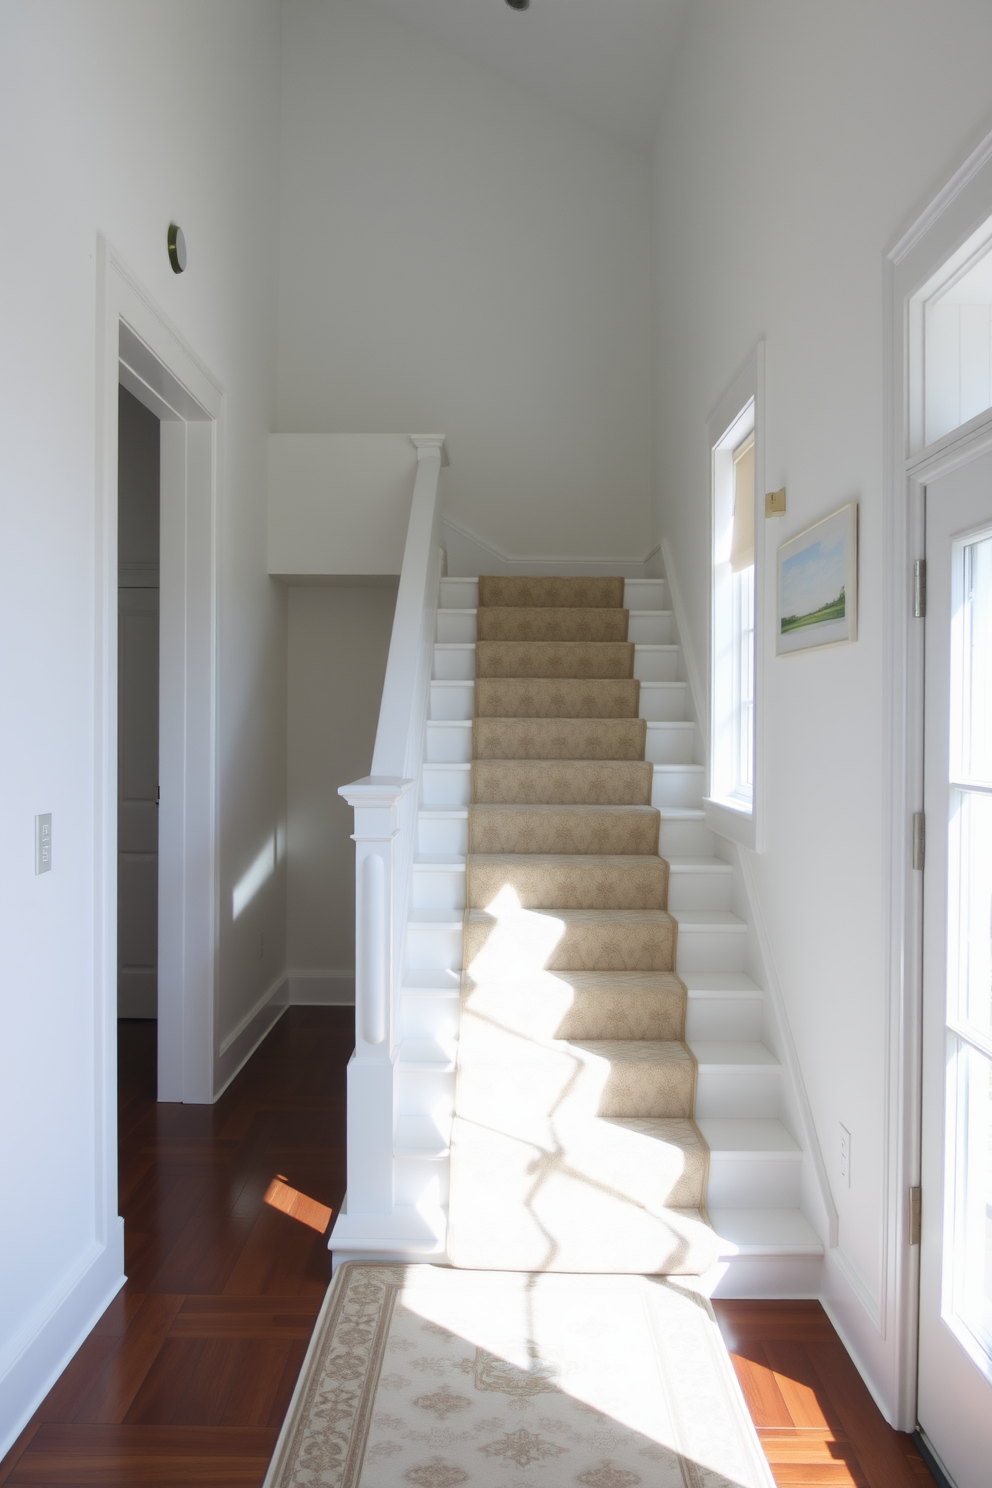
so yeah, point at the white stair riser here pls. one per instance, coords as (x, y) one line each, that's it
(452, 700)
(645, 594)
(459, 594)
(456, 625)
(656, 663)
(753, 1182)
(449, 743)
(710, 950)
(754, 1092)
(443, 835)
(418, 1179)
(721, 1018)
(433, 947)
(768, 1276)
(454, 665)
(651, 628)
(445, 785)
(663, 703)
(434, 888)
(670, 743)
(424, 1092)
(678, 785)
(426, 1017)
(704, 889)
(691, 839)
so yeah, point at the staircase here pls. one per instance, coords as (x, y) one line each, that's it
(753, 1193)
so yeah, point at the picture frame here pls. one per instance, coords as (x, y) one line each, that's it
(817, 590)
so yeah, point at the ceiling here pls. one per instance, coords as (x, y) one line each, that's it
(605, 61)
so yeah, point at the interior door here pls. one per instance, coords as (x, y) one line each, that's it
(137, 803)
(955, 1370)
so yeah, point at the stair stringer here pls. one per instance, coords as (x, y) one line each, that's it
(764, 1276)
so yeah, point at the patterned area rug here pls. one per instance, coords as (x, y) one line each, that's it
(434, 1378)
(574, 1146)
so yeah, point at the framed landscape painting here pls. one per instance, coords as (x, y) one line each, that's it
(818, 585)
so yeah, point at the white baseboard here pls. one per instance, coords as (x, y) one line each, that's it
(467, 554)
(321, 988)
(244, 1038)
(45, 1343)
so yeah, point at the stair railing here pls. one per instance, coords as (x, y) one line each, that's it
(385, 804)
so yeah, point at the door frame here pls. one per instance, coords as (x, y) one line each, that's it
(945, 225)
(140, 348)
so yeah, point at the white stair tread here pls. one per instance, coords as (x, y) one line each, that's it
(632, 613)
(454, 645)
(448, 723)
(682, 813)
(725, 1055)
(746, 1137)
(765, 1232)
(440, 918)
(421, 1136)
(457, 610)
(426, 1054)
(440, 860)
(698, 865)
(720, 984)
(680, 768)
(461, 765)
(654, 645)
(462, 682)
(670, 723)
(458, 813)
(720, 920)
(665, 684)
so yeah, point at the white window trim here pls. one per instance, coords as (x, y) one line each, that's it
(741, 408)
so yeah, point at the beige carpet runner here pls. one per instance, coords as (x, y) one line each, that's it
(435, 1378)
(574, 1146)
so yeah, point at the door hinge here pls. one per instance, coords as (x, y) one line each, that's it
(919, 839)
(920, 588)
(915, 1215)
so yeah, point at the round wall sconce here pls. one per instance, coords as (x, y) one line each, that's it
(518, 4)
(177, 248)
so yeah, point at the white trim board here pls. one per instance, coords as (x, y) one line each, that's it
(138, 345)
(954, 213)
(469, 555)
(322, 988)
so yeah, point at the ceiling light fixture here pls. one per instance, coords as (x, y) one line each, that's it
(518, 4)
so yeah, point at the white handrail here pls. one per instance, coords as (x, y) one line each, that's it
(385, 837)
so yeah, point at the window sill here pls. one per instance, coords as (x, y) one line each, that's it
(731, 819)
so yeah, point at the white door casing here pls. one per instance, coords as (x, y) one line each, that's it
(140, 349)
(955, 1371)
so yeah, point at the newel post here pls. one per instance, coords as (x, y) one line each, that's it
(376, 802)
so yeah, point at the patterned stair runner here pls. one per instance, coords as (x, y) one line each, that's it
(574, 1146)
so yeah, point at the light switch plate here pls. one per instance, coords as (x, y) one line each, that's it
(775, 503)
(43, 843)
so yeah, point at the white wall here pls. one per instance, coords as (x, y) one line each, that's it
(117, 117)
(338, 644)
(458, 255)
(339, 503)
(796, 141)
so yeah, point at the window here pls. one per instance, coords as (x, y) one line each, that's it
(736, 578)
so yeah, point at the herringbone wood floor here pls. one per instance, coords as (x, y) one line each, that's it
(187, 1376)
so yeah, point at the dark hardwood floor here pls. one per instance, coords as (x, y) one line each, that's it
(187, 1376)
(817, 1422)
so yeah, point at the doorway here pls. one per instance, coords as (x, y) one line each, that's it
(166, 938)
(138, 456)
